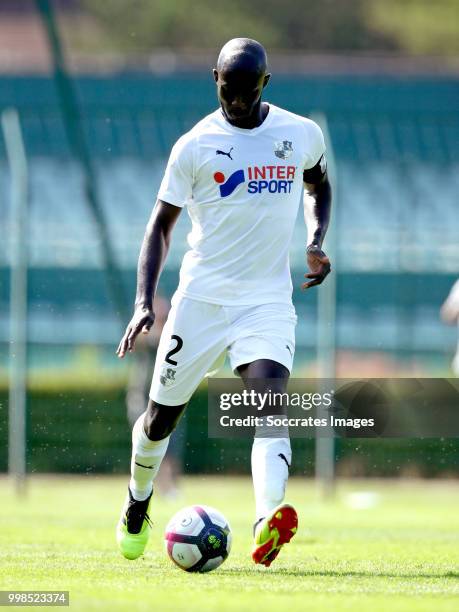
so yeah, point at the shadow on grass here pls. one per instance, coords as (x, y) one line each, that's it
(344, 573)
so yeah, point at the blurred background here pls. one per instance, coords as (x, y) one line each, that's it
(95, 93)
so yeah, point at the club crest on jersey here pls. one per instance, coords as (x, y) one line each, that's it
(283, 149)
(167, 377)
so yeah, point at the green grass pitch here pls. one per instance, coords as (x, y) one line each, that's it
(400, 553)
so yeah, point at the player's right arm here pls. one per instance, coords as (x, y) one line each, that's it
(153, 253)
(175, 191)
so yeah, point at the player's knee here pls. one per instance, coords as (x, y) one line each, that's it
(160, 421)
(262, 369)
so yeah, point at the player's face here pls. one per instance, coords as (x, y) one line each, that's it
(239, 93)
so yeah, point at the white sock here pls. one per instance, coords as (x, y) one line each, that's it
(147, 456)
(270, 457)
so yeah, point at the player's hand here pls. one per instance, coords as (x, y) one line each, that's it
(142, 321)
(319, 264)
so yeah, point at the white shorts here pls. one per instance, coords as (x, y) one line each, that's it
(198, 335)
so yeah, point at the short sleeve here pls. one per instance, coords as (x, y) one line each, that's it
(177, 184)
(315, 144)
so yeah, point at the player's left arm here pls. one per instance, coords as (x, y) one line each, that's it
(317, 206)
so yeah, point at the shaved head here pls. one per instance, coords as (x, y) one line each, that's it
(243, 54)
(241, 75)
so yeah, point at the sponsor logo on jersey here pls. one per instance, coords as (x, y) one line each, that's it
(283, 149)
(271, 179)
(229, 185)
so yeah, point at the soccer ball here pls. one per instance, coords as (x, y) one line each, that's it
(198, 538)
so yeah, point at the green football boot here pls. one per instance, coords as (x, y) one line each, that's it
(134, 527)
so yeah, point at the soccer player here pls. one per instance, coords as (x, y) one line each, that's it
(240, 172)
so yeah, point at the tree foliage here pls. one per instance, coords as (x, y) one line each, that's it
(412, 26)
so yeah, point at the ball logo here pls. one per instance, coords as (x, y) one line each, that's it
(214, 541)
(227, 187)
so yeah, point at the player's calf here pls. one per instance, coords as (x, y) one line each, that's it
(160, 421)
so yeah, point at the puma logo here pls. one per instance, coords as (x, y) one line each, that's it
(148, 467)
(284, 458)
(218, 152)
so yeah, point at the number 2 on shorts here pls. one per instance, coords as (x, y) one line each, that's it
(176, 349)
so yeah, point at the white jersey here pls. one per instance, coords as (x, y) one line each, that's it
(242, 189)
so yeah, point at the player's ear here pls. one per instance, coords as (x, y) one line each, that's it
(215, 73)
(266, 79)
